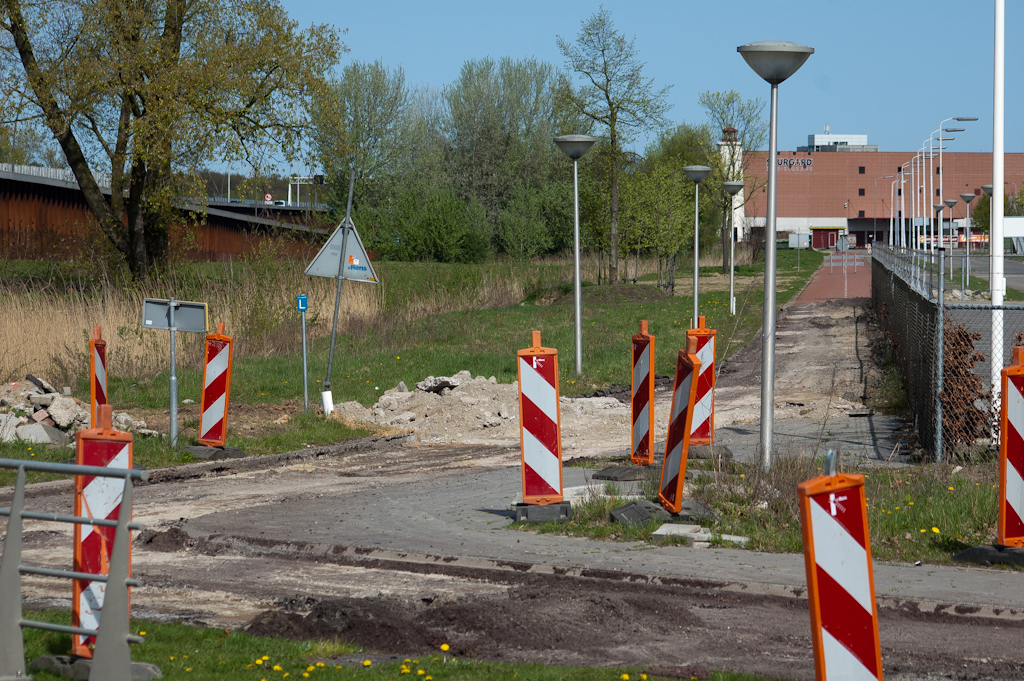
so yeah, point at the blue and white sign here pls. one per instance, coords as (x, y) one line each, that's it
(301, 303)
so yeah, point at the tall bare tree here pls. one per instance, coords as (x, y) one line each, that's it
(615, 94)
(150, 90)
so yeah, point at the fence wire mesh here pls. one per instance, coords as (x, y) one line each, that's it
(957, 416)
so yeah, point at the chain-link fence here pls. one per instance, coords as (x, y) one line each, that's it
(949, 321)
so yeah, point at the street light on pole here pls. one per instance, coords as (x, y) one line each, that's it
(874, 226)
(949, 203)
(774, 61)
(967, 197)
(696, 175)
(575, 146)
(732, 187)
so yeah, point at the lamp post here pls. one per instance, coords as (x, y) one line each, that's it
(949, 204)
(874, 225)
(732, 187)
(575, 146)
(967, 197)
(696, 175)
(774, 61)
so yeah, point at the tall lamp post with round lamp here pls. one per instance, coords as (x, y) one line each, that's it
(949, 204)
(696, 175)
(774, 61)
(732, 187)
(575, 146)
(967, 197)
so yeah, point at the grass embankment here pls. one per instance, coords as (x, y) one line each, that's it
(925, 513)
(423, 319)
(183, 652)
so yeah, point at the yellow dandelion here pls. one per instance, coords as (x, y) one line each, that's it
(624, 677)
(445, 647)
(923, 531)
(319, 664)
(173, 658)
(310, 668)
(935, 530)
(188, 669)
(367, 663)
(420, 672)
(643, 677)
(950, 489)
(265, 657)
(142, 633)
(277, 668)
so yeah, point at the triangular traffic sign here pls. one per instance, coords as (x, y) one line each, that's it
(328, 261)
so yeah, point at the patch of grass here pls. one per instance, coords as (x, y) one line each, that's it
(927, 513)
(183, 652)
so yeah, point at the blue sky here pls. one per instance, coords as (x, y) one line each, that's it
(890, 69)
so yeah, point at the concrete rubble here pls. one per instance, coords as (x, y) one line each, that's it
(478, 410)
(34, 411)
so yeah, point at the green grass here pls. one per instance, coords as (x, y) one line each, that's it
(184, 653)
(484, 341)
(927, 513)
(152, 453)
(975, 283)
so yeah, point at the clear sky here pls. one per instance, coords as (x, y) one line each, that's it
(890, 69)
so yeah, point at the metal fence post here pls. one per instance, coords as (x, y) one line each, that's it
(939, 367)
(12, 643)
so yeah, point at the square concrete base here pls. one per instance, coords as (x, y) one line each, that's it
(533, 513)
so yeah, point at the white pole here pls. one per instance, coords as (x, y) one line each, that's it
(996, 282)
(696, 251)
(732, 255)
(576, 284)
(768, 311)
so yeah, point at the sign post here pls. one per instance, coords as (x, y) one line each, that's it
(340, 260)
(302, 304)
(174, 315)
(97, 374)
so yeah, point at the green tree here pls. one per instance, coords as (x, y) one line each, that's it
(744, 129)
(150, 91)
(615, 95)
(358, 123)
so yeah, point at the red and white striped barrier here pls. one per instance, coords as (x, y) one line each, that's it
(642, 401)
(1011, 454)
(95, 498)
(840, 580)
(97, 374)
(213, 415)
(540, 427)
(703, 428)
(677, 444)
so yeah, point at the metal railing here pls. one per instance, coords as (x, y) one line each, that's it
(60, 174)
(844, 260)
(111, 657)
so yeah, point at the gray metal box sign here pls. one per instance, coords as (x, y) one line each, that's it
(188, 316)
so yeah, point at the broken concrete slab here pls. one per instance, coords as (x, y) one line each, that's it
(532, 513)
(676, 530)
(41, 434)
(204, 453)
(42, 400)
(65, 411)
(621, 473)
(40, 383)
(639, 512)
(8, 424)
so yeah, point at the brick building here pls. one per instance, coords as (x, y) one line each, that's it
(830, 189)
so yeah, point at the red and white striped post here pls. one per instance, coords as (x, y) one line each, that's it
(677, 444)
(1010, 530)
(642, 401)
(213, 414)
(540, 428)
(97, 374)
(703, 428)
(96, 498)
(840, 579)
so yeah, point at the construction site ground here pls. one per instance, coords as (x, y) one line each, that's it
(400, 543)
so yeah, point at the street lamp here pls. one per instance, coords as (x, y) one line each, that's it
(733, 188)
(696, 175)
(575, 146)
(874, 226)
(967, 197)
(774, 61)
(949, 203)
